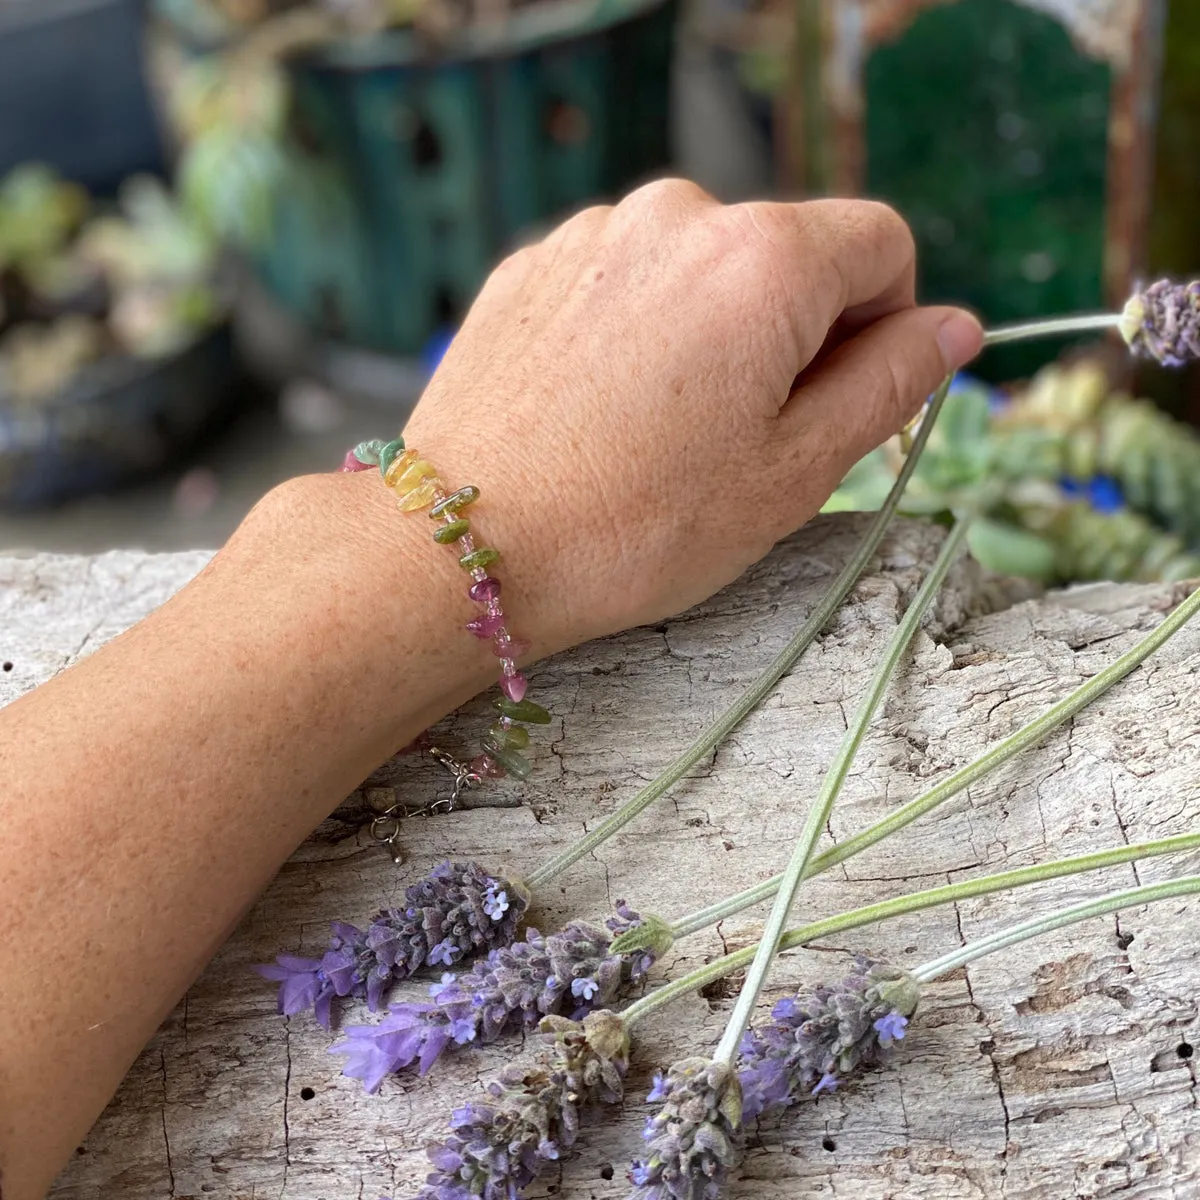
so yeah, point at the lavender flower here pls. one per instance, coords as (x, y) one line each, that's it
(458, 911)
(693, 1140)
(1163, 322)
(568, 973)
(496, 1148)
(813, 1042)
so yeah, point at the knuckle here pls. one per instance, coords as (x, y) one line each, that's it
(887, 227)
(509, 272)
(872, 225)
(584, 223)
(755, 238)
(518, 260)
(673, 195)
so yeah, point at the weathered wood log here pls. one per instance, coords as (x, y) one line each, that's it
(1061, 1068)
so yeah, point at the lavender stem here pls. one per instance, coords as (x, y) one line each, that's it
(869, 914)
(1051, 327)
(1028, 735)
(1183, 886)
(835, 777)
(762, 687)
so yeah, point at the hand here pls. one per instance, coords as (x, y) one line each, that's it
(654, 395)
(648, 400)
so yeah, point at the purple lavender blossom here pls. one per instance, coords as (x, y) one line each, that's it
(891, 1027)
(531, 1117)
(1163, 322)
(458, 911)
(568, 973)
(827, 1083)
(693, 1140)
(495, 903)
(812, 1043)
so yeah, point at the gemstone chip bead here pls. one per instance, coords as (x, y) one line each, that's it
(522, 710)
(451, 532)
(422, 496)
(387, 454)
(455, 502)
(515, 764)
(485, 556)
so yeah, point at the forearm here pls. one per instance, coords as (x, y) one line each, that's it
(648, 399)
(210, 739)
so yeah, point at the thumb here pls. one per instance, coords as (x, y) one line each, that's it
(875, 382)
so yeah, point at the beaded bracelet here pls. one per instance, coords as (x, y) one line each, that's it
(417, 486)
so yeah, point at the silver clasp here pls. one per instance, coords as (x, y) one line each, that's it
(464, 780)
(385, 827)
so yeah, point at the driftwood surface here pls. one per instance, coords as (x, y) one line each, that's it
(1060, 1068)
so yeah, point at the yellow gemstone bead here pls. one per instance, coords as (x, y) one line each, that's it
(422, 496)
(420, 470)
(399, 465)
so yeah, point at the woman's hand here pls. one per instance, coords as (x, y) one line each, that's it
(658, 392)
(648, 400)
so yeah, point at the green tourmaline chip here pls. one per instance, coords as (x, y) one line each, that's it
(515, 764)
(452, 531)
(483, 557)
(522, 710)
(455, 502)
(368, 452)
(514, 737)
(387, 452)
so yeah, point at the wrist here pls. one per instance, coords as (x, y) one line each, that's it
(502, 512)
(384, 606)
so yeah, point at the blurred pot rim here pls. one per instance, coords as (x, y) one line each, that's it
(95, 383)
(538, 24)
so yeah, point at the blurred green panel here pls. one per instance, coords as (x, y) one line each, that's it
(987, 128)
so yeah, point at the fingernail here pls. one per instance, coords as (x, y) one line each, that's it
(959, 338)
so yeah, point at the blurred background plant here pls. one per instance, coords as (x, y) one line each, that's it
(78, 283)
(359, 165)
(373, 158)
(1096, 484)
(112, 324)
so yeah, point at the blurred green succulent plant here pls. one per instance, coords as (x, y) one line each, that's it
(38, 212)
(1087, 482)
(141, 279)
(228, 106)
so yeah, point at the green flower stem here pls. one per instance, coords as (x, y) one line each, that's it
(831, 785)
(914, 902)
(724, 725)
(1183, 886)
(1053, 327)
(1001, 752)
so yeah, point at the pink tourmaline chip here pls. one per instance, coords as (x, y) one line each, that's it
(511, 647)
(514, 687)
(486, 627)
(350, 463)
(486, 589)
(486, 768)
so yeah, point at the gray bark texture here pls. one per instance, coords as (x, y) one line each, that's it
(1060, 1068)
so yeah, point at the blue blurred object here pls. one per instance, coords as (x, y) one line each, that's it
(72, 91)
(962, 382)
(1103, 492)
(435, 349)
